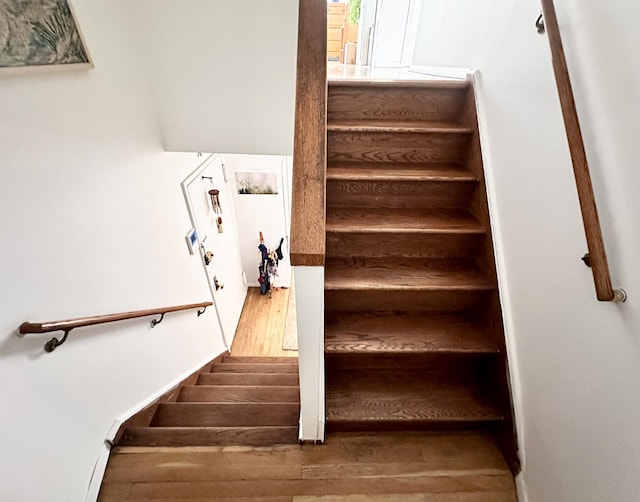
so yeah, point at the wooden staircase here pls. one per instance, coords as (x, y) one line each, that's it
(413, 335)
(232, 401)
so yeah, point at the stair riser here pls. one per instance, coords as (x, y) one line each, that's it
(457, 364)
(221, 415)
(396, 147)
(248, 379)
(254, 368)
(234, 394)
(361, 103)
(416, 245)
(397, 194)
(403, 300)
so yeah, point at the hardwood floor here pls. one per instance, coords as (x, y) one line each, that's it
(349, 467)
(262, 323)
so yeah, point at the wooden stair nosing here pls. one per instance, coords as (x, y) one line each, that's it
(209, 436)
(399, 84)
(392, 126)
(238, 394)
(390, 173)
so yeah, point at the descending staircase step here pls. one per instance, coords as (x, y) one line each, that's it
(351, 100)
(397, 146)
(409, 274)
(262, 379)
(239, 394)
(254, 368)
(209, 436)
(224, 414)
(356, 333)
(359, 400)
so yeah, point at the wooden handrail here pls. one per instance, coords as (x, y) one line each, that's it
(69, 324)
(309, 149)
(590, 220)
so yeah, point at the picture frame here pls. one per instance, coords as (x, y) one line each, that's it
(192, 240)
(41, 35)
(257, 182)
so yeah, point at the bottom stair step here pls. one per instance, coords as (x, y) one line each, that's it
(370, 400)
(209, 436)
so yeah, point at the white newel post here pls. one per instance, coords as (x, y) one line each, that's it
(309, 290)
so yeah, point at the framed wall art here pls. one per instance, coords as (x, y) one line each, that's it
(40, 34)
(257, 182)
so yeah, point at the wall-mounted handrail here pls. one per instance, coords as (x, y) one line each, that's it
(591, 222)
(67, 325)
(309, 148)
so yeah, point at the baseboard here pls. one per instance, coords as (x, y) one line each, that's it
(441, 71)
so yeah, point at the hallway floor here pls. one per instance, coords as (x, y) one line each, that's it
(261, 328)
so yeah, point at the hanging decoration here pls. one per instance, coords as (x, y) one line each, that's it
(215, 201)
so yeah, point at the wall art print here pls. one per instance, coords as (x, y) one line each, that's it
(40, 33)
(257, 182)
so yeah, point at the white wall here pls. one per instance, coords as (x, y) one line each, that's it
(269, 214)
(576, 362)
(93, 221)
(245, 108)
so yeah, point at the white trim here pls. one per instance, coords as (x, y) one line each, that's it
(501, 269)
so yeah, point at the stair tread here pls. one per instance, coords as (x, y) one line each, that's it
(238, 394)
(382, 396)
(391, 126)
(400, 171)
(209, 436)
(259, 360)
(402, 333)
(400, 220)
(415, 274)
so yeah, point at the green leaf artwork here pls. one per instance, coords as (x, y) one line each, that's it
(39, 32)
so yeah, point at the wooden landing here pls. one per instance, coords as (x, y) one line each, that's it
(349, 467)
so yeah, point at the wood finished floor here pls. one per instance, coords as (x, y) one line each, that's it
(262, 323)
(349, 467)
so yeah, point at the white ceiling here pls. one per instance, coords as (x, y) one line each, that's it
(222, 73)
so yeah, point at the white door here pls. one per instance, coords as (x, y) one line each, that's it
(224, 270)
(395, 32)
